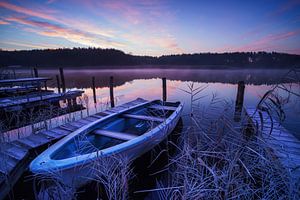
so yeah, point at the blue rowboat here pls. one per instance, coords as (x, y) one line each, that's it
(129, 133)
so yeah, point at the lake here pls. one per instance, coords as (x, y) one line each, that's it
(146, 83)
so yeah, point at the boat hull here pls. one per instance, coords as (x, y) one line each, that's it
(78, 175)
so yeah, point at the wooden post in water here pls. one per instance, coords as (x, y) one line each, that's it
(58, 83)
(62, 78)
(36, 73)
(94, 89)
(164, 89)
(239, 101)
(46, 85)
(111, 91)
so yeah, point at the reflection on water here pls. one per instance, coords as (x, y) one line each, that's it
(146, 83)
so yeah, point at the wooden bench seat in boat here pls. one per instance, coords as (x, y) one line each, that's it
(144, 117)
(161, 107)
(114, 134)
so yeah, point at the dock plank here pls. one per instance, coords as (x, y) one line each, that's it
(38, 98)
(60, 131)
(16, 151)
(85, 121)
(68, 127)
(19, 80)
(52, 134)
(284, 144)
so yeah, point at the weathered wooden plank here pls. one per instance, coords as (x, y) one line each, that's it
(41, 98)
(15, 151)
(17, 89)
(114, 134)
(96, 116)
(284, 144)
(85, 121)
(33, 141)
(144, 117)
(92, 118)
(52, 134)
(77, 124)
(116, 109)
(68, 127)
(161, 107)
(102, 114)
(20, 80)
(108, 112)
(60, 131)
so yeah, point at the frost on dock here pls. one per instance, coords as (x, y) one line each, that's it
(284, 145)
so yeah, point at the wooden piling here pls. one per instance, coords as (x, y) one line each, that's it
(164, 89)
(58, 83)
(36, 73)
(239, 101)
(62, 78)
(111, 91)
(94, 89)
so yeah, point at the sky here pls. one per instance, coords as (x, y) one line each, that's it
(152, 27)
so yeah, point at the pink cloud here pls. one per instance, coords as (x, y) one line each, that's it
(29, 45)
(3, 22)
(26, 11)
(83, 25)
(54, 30)
(267, 42)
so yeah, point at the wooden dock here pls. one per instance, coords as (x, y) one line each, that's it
(286, 146)
(16, 156)
(20, 97)
(24, 80)
(27, 101)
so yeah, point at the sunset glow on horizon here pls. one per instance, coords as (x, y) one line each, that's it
(154, 27)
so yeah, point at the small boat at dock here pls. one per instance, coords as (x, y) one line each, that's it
(128, 133)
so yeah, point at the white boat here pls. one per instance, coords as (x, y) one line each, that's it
(129, 133)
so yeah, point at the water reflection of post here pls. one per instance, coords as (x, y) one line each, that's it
(36, 74)
(94, 89)
(58, 84)
(164, 88)
(111, 91)
(62, 78)
(239, 101)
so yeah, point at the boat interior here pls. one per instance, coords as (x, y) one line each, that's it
(117, 129)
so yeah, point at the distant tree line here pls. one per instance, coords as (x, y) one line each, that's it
(77, 57)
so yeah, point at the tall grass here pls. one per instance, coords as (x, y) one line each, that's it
(113, 173)
(218, 160)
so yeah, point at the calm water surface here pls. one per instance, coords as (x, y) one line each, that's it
(146, 83)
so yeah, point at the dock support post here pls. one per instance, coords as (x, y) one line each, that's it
(36, 73)
(111, 91)
(239, 101)
(94, 89)
(164, 89)
(58, 84)
(62, 78)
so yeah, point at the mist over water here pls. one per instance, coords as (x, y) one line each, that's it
(146, 83)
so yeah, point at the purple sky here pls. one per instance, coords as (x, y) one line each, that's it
(153, 27)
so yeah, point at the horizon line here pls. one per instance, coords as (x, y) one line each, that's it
(130, 53)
